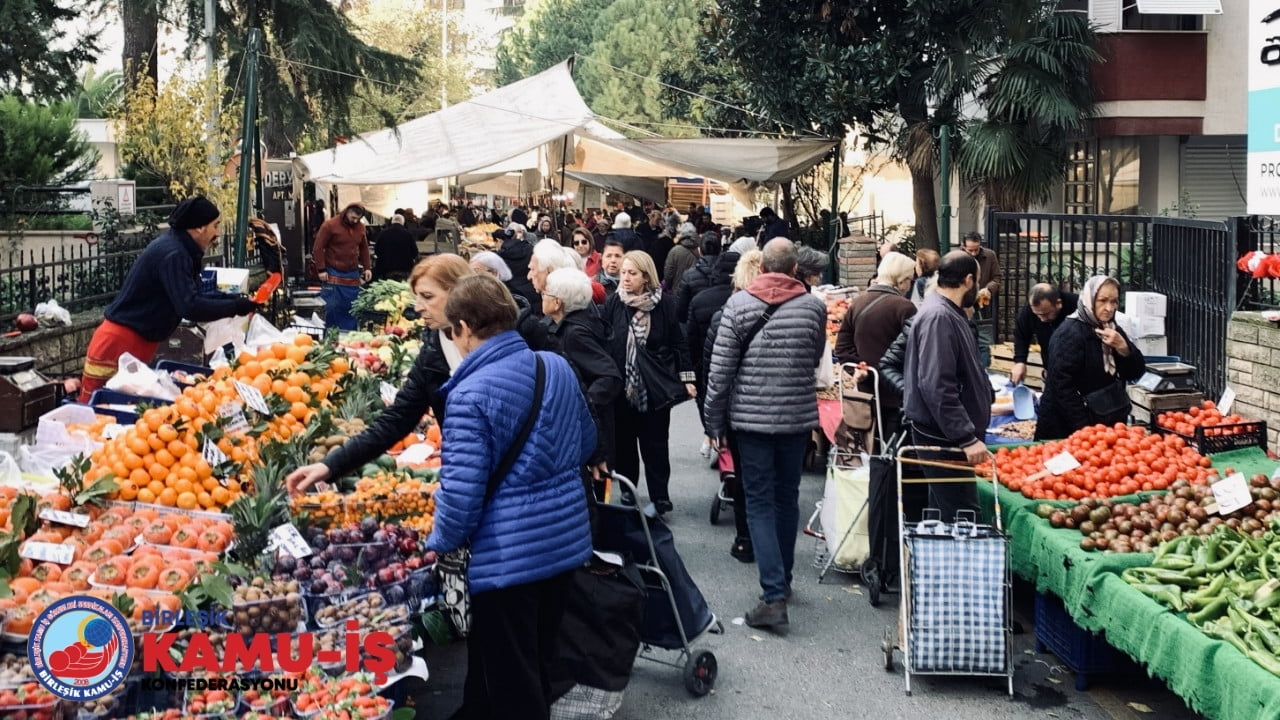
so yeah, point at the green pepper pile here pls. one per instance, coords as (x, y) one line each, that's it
(1227, 583)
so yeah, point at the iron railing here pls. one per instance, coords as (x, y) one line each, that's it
(1064, 251)
(1257, 233)
(78, 277)
(1193, 266)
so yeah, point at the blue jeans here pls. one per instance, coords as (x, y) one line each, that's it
(338, 298)
(770, 474)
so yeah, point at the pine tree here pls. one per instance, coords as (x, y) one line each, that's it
(39, 144)
(30, 64)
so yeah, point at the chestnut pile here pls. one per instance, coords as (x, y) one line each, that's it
(1185, 509)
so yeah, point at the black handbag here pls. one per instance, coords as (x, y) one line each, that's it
(661, 384)
(451, 568)
(1111, 401)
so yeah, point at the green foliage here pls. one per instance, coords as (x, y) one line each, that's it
(30, 63)
(1036, 99)
(647, 39)
(39, 144)
(303, 101)
(101, 94)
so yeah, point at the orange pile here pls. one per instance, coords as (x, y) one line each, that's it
(159, 459)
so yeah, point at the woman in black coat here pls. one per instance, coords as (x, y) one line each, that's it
(516, 251)
(1087, 353)
(639, 316)
(577, 334)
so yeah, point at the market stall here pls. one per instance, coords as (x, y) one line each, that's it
(162, 505)
(1115, 566)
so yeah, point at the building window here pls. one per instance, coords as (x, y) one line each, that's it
(1078, 192)
(1119, 162)
(1134, 20)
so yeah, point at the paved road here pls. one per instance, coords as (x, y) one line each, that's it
(828, 662)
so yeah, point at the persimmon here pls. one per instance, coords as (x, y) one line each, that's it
(172, 579)
(143, 574)
(47, 572)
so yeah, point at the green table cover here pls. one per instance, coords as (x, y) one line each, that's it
(1213, 677)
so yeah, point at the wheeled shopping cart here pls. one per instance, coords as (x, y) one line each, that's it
(676, 613)
(955, 613)
(839, 520)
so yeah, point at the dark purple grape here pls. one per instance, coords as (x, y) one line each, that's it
(318, 562)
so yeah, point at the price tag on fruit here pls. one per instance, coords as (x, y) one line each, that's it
(1226, 401)
(213, 454)
(1231, 493)
(1061, 463)
(235, 412)
(63, 517)
(48, 552)
(388, 392)
(252, 397)
(286, 537)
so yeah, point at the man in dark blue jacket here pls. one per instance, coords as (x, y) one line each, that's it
(161, 289)
(1046, 308)
(948, 396)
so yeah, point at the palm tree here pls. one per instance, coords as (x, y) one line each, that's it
(1035, 94)
(100, 94)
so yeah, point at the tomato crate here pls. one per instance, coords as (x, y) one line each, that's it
(1085, 653)
(1221, 438)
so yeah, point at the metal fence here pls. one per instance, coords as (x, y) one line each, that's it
(1193, 266)
(1064, 251)
(79, 278)
(1258, 233)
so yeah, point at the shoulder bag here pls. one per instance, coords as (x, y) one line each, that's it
(451, 567)
(1109, 402)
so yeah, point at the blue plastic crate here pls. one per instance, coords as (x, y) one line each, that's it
(115, 397)
(208, 281)
(1083, 652)
(189, 368)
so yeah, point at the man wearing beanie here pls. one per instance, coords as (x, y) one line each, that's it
(341, 252)
(161, 289)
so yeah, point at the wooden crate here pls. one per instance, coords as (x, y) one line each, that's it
(1002, 361)
(1147, 405)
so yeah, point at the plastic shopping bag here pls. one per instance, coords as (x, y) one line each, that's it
(825, 376)
(10, 473)
(51, 314)
(844, 498)
(261, 333)
(43, 461)
(135, 378)
(227, 331)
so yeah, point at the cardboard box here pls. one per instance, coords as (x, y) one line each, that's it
(1146, 304)
(1149, 327)
(232, 280)
(1152, 345)
(1147, 405)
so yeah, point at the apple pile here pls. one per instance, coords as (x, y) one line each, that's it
(837, 308)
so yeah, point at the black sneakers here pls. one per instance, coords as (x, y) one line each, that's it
(663, 506)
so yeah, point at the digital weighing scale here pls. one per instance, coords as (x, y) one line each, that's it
(1168, 377)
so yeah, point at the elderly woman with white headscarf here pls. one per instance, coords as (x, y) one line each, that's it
(490, 262)
(1088, 361)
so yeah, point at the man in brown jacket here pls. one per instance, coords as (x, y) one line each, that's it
(988, 288)
(341, 252)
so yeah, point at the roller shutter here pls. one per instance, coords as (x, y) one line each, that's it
(1213, 177)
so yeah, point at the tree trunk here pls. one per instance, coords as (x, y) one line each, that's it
(141, 23)
(924, 203)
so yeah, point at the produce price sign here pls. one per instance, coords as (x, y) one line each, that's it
(48, 552)
(286, 537)
(64, 518)
(252, 397)
(1062, 463)
(235, 412)
(1232, 493)
(388, 392)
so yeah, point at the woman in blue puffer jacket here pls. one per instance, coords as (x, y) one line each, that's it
(532, 533)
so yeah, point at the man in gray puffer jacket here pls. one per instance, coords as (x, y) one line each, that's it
(761, 384)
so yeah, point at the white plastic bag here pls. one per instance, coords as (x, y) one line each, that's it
(51, 314)
(135, 378)
(262, 333)
(845, 494)
(825, 376)
(225, 331)
(52, 429)
(42, 461)
(10, 473)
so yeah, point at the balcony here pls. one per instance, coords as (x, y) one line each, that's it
(1152, 83)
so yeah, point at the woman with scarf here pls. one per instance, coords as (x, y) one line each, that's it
(1088, 361)
(641, 318)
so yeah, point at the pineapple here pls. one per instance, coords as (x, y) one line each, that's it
(254, 516)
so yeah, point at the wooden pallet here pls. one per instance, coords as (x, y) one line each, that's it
(1146, 404)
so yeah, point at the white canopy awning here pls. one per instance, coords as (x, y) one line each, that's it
(1180, 7)
(470, 136)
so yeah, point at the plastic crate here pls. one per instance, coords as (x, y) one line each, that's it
(208, 281)
(1221, 438)
(115, 397)
(1085, 653)
(171, 366)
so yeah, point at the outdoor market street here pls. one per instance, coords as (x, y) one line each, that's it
(828, 662)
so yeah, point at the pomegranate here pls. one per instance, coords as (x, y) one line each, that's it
(26, 322)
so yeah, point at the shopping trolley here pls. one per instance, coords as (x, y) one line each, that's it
(848, 487)
(676, 613)
(728, 475)
(955, 611)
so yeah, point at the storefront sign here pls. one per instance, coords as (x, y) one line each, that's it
(1264, 108)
